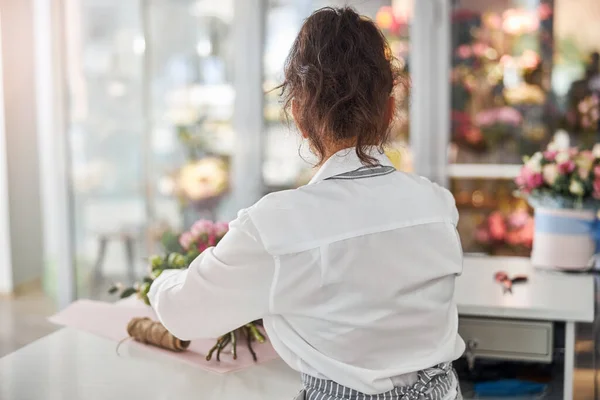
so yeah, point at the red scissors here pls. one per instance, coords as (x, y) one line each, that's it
(507, 283)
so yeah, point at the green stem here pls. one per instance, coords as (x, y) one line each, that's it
(224, 343)
(234, 344)
(256, 333)
(249, 342)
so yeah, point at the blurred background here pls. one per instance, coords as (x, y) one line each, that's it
(123, 119)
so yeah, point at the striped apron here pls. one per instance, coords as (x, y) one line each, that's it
(436, 383)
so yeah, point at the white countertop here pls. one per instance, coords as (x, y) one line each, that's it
(75, 365)
(548, 295)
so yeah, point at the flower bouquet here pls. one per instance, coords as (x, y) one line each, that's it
(563, 185)
(180, 251)
(201, 183)
(498, 124)
(502, 234)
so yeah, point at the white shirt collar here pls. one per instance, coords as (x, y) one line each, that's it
(345, 161)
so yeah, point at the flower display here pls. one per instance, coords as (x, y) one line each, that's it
(202, 179)
(561, 177)
(500, 231)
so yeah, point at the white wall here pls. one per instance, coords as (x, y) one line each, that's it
(21, 139)
(6, 283)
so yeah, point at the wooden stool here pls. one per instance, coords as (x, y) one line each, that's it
(128, 238)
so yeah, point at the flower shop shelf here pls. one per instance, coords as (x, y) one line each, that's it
(491, 171)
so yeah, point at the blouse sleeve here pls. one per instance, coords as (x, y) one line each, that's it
(224, 288)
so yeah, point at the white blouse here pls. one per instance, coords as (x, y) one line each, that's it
(354, 278)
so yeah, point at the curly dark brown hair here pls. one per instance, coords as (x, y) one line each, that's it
(339, 77)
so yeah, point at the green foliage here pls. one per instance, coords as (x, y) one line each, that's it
(128, 292)
(170, 242)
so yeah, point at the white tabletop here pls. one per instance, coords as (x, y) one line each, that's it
(548, 295)
(75, 365)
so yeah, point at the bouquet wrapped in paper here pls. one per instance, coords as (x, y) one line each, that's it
(180, 251)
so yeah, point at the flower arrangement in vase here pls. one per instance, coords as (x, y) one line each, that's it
(180, 251)
(563, 185)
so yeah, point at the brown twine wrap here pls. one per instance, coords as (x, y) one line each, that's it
(146, 331)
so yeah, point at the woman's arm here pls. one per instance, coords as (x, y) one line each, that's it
(224, 288)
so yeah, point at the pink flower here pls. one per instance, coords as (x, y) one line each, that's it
(482, 236)
(464, 51)
(494, 21)
(202, 246)
(523, 178)
(597, 171)
(212, 240)
(518, 218)
(505, 115)
(473, 135)
(513, 238)
(535, 180)
(509, 116)
(479, 49)
(596, 193)
(202, 227)
(566, 167)
(497, 226)
(529, 180)
(550, 155)
(485, 118)
(587, 154)
(497, 232)
(220, 229)
(186, 239)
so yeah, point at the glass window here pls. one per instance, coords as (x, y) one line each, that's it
(149, 127)
(106, 136)
(191, 90)
(282, 167)
(502, 106)
(521, 73)
(492, 221)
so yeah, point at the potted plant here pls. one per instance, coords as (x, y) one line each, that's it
(563, 186)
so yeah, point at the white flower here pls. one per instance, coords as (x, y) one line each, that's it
(562, 157)
(561, 140)
(552, 146)
(596, 150)
(576, 188)
(534, 163)
(550, 172)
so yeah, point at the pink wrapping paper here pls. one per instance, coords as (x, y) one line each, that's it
(110, 321)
